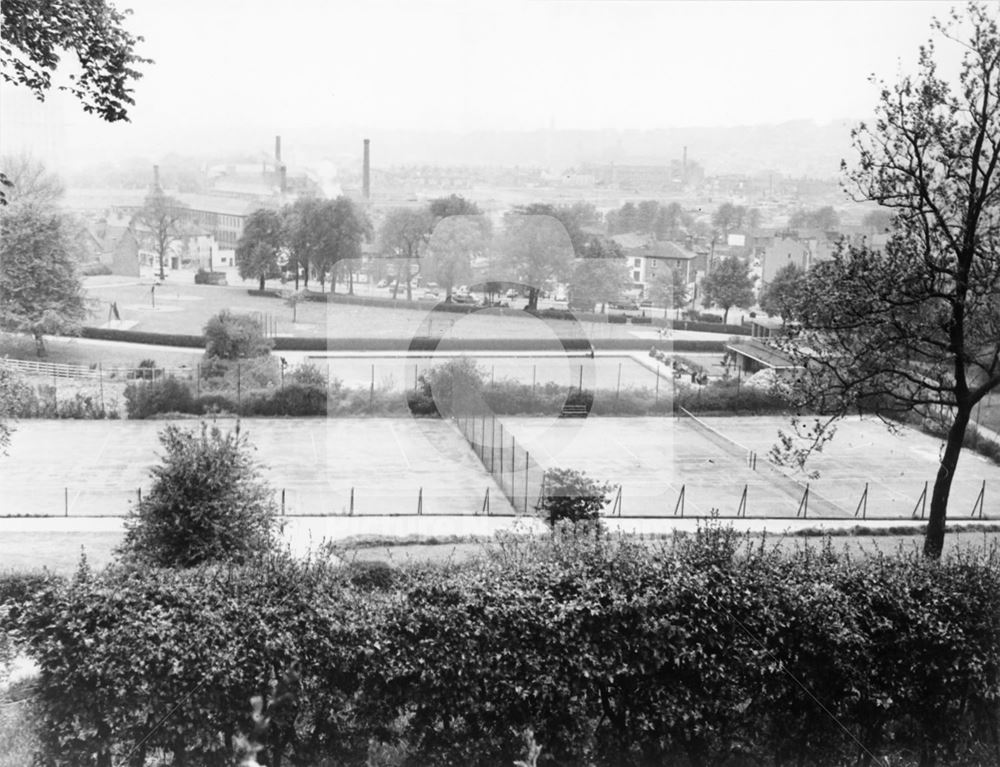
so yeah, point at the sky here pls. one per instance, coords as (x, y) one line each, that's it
(233, 73)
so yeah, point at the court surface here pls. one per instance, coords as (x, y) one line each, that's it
(394, 465)
(653, 459)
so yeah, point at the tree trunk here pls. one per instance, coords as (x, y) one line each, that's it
(162, 276)
(39, 345)
(409, 279)
(296, 263)
(350, 280)
(725, 316)
(934, 539)
(532, 298)
(262, 282)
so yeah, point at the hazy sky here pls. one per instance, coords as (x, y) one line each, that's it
(236, 72)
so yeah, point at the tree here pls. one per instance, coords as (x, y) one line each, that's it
(161, 220)
(40, 290)
(780, 296)
(824, 218)
(878, 219)
(30, 181)
(260, 246)
(670, 221)
(646, 214)
(454, 243)
(454, 205)
(914, 328)
(600, 276)
(299, 220)
(405, 233)
(34, 35)
(534, 249)
(669, 288)
(728, 218)
(207, 503)
(235, 336)
(729, 284)
(572, 496)
(350, 227)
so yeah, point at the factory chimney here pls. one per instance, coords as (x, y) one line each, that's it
(156, 178)
(365, 174)
(277, 150)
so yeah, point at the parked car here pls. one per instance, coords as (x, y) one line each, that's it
(462, 298)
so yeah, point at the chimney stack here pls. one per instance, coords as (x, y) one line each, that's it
(277, 150)
(156, 178)
(365, 175)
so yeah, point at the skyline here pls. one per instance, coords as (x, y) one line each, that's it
(231, 75)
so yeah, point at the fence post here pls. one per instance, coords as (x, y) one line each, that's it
(618, 391)
(351, 508)
(420, 501)
(371, 390)
(580, 387)
(534, 370)
(501, 457)
(657, 387)
(239, 391)
(138, 492)
(527, 470)
(493, 442)
(100, 380)
(197, 380)
(66, 501)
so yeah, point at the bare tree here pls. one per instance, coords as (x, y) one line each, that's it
(161, 220)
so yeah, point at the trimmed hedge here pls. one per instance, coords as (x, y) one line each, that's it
(264, 293)
(700, 652)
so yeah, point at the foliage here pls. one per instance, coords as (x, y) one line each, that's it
(235, 336)
(824, 218)
(455, 386)
(572, 496)
(700, 650)
(780, 296)
(161, 223)
(260, 245)
(453, 205)
(668, 288)
(30, 181)
(16, 400)
(456, 240)
(40, 289)
(405, 233)
(34, 36)
(207, 503)
(914, 327)
(533, 249)
(728, 284)
(599, 277)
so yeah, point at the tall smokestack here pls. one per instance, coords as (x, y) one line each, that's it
(277, 150)
(365, 174)
(156, 178)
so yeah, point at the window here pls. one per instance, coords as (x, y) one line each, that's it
(637, 262)
(635, 276)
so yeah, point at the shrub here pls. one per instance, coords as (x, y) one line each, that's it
(234, 336)
(421, 402)
(308, 374)
(455, 387)
(166, 395)
(94, 268)
(292, 400)
(203, 277)
(572, 496)
(207, 503)
(213, 404)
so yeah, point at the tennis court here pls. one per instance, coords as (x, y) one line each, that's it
(654, 458)
(78, 468)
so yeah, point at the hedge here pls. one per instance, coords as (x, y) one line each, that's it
(699, 652)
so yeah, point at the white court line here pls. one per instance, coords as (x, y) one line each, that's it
(392, 428)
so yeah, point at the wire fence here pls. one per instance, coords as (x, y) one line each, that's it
(520, 477)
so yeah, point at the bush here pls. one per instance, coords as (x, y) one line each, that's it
(308, 374)
(234, 336)
(166, 395)
(292, 400)
(203, 277)
(455, 386)
(94, 269)
(572, 496)
(207, 503)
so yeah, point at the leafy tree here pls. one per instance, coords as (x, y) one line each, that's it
(572, 217)
(161, 220)
(454, 205)
(646, 214)
(534, 249)
(235, 336)
(405, 233)
(728, 218)
(14, 395)
(669, 288)
(260, 246)
(824, 218)
(601, 276)
(35, 35)
(914, 328)
(572, 496)
(780, 296)
(350, 227)
(40, 290)
(207, 504)
(451, 248)
(670, 221)
(729, 284)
